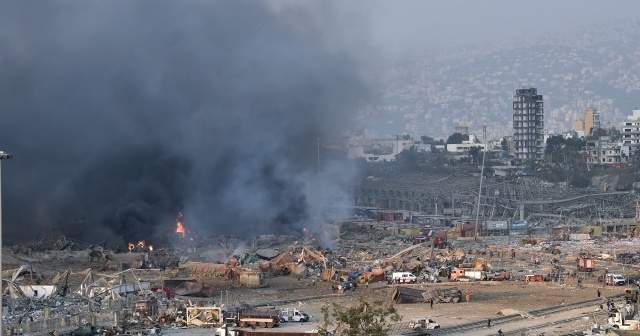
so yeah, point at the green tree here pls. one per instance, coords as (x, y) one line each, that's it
(410, 158)
(474, 154)
(363, 319)
(504, 144)
(457, 138)
(554, 144)
(427, 140)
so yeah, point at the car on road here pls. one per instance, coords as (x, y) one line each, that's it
(464, 278)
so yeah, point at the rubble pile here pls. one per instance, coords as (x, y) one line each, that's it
(63, 284)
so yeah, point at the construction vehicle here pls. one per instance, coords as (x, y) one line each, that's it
(422, 324)
(293, 315)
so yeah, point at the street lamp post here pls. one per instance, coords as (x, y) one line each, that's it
(3, 156)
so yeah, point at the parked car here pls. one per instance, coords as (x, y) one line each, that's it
(464, 278)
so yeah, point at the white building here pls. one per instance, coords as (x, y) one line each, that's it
(377, 150)
(631, 131)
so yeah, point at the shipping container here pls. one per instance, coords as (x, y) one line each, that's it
(497, 225)
(519, 225)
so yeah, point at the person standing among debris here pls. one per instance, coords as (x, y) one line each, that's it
(489, 323)
(431, 302)
(468, 297)
(598, 293)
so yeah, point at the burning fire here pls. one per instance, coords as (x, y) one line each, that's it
(141, 245)
(179, 227)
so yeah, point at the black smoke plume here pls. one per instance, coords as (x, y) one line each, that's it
(122, 114)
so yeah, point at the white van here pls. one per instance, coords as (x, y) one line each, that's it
(403, 277)
(615, 279)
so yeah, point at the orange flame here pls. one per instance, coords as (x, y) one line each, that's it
(141, 244)
(131, 247)
(150, 247)
(180, 229)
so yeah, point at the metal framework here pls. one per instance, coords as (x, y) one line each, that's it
(501, 198)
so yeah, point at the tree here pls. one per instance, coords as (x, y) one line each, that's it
(504, 145)
(410, 157)
(474, 154)
(370, 319)
(457, 138)
(427, 140)
(554, 144)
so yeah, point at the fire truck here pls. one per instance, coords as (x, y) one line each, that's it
(586, 264)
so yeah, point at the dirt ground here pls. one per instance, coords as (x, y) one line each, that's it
(487, 300)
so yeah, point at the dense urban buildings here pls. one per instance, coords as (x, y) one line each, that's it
(528, 124)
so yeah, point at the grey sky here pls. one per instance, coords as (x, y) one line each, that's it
(411, 28)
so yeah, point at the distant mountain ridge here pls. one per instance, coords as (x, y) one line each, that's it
(594, 67)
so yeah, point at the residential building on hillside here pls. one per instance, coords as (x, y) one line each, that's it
(631, 131)
(528, 124)
(588, 123)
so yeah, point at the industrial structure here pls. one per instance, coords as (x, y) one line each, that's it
(512, 199)
(528, 124)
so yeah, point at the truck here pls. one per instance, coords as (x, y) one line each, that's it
(293, 315)
(262, 317)
(403, 277)
(472, 273)
(586, 264)
(422, 324)
(532, 278)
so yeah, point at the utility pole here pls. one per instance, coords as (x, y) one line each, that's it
(3, 156)
(484, 153)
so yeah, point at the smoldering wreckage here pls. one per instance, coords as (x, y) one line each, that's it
(144, 290)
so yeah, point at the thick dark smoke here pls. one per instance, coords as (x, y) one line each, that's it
(122, 114)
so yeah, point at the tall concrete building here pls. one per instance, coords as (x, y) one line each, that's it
(589, 123)
(528, 124)
(631, 132)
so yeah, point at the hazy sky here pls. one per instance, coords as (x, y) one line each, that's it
(412, 28)
(122, 114)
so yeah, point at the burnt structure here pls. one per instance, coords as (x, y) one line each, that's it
(528, 124)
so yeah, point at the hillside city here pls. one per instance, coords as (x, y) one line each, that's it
(595, 67)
